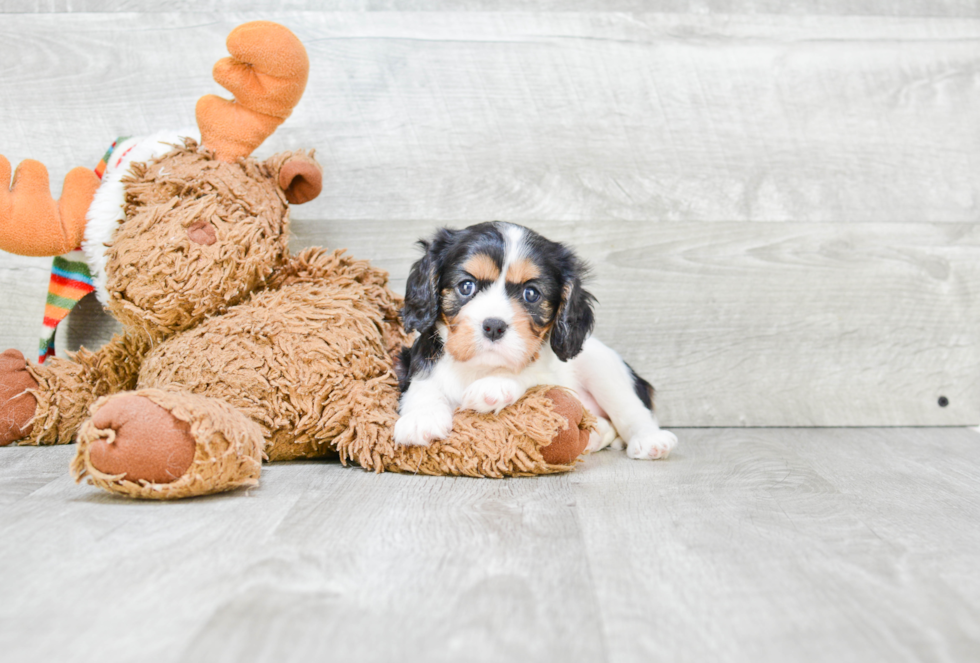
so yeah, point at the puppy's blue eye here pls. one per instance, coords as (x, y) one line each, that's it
(466, 288)
(531, 294)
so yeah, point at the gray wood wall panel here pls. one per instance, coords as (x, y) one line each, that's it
(570, 116)
(921, 8)
(754, 324)
(770, 324)
(658, 143)
(23, 294)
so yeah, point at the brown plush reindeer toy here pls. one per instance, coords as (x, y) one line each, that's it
(233, 350)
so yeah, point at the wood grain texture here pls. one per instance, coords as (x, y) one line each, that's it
(920, 8)
(769, 324)
(562, 115)
(747, 545)
(653, 142)
(23, 291)
(319, 563)
(753, 324)
(805, 545)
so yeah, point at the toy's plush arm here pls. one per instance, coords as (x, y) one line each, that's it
(31, 222)
(337, 268)
(64, 389)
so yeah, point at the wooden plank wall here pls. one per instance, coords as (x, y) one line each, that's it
(780, 202)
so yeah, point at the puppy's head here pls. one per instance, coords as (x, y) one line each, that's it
(500, 291)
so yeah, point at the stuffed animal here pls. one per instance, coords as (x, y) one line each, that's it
(233, 350)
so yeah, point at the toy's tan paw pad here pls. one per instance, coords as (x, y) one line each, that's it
(568, 444)
(148, 443)
(17, 407)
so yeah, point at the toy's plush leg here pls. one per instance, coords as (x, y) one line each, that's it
(45, 404)
(543, 433)
(17, 403)
(159, 444)
(567, 444)
(41, 404)
(63, 395)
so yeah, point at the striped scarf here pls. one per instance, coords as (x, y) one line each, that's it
(70, 281)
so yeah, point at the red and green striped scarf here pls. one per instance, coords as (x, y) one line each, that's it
(70, 281)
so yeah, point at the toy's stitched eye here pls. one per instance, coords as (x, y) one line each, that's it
(531, 294)
(466, 288)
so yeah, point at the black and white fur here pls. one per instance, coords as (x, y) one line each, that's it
(500, 309)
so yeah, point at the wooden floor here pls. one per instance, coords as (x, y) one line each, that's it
(747, 545)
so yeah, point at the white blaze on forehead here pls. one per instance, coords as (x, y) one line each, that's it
(106, 211)
(514, 246)
(493, 302)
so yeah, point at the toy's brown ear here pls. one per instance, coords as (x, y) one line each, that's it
(301, 178)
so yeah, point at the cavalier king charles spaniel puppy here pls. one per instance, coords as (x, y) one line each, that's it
(499, 309)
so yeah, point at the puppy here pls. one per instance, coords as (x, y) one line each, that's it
(499, 309)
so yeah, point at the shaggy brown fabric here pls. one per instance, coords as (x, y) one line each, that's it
(227, 455)
(316, 265)
(67, 387)
(289, 357)
(146, 442)
(17, 404)
(507, 444)
(298, 347)
(31, 222)
(162, 282)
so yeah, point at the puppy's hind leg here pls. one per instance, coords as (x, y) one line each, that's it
(625, 398)
(603, 436)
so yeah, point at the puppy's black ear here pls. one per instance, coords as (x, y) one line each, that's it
(421, 307)
(574, 319)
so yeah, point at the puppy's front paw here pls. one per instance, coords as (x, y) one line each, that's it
(491, 394)
(420, 428)
(651, 444)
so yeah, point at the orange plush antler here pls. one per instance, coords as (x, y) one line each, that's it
(31, 222)
(267, 75)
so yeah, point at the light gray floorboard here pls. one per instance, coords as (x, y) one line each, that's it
(862, 542)
(746, 545)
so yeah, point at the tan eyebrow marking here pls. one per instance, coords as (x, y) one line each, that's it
(482, 267)
(522, 270)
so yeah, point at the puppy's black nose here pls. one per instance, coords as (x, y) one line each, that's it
(494, 328)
